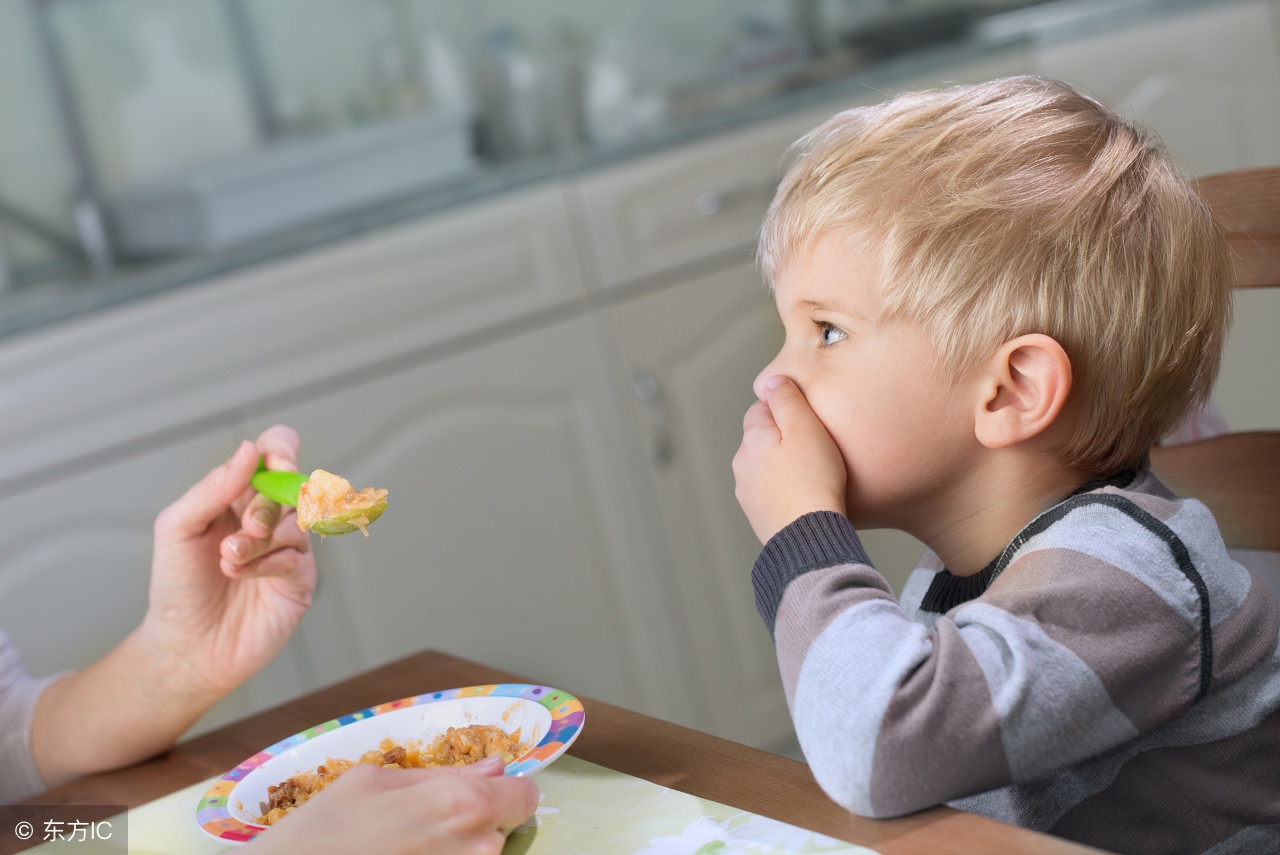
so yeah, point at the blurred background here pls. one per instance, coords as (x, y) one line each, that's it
(132, 126)
(496, 257)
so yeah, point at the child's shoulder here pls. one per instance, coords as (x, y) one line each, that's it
(1132, 532)
(1129, 511)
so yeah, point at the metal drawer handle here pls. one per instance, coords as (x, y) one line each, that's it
(708, 203)
(649, 390)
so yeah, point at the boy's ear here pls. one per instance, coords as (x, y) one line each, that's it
(1022, 390)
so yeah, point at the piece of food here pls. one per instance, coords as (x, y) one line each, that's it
(328, 505)
(458, 746)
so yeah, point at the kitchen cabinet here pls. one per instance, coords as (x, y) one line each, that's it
(174, 365)
(511, 533)
(687, 207)
(688, 355)
(78, 551)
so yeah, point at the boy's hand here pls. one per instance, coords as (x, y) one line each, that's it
(788, 465)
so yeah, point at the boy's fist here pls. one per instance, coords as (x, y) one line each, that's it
(787, 465)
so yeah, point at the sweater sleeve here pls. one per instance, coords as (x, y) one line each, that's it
(1066, 655)
(18, 695)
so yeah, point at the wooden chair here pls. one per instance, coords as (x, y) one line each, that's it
(1238, 474)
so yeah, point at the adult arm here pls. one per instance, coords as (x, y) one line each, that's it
(18, 695)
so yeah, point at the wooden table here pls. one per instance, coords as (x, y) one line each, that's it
(658, 751)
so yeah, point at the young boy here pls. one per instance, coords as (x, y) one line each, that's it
(996, 299)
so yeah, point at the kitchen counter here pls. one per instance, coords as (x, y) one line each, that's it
(700, 115)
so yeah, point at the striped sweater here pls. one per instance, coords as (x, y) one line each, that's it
(1113, 677)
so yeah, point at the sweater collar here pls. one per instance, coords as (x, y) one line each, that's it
(948, 591)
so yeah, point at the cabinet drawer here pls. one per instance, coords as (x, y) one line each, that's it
(684, 205)
(114, 382)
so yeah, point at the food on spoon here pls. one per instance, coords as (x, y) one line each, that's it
(327, 504)
(458, 746)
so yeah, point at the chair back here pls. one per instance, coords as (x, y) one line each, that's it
(1237, 474)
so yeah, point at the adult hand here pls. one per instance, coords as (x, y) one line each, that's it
(787, 465)
(232, 574)
(231, 577)
(458, 810)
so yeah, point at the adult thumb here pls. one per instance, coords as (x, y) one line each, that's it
(210, 497)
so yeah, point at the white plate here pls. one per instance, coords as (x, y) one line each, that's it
(548, 718)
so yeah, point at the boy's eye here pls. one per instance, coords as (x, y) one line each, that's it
(829, 335)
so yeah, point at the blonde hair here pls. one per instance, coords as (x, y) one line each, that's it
(1023, 206)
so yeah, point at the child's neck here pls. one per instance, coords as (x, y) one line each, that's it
(979, 519)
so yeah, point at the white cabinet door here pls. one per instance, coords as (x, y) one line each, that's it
(78, 551)
(511, 532)
(690, 354)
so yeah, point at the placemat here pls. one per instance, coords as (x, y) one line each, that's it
(585, 809)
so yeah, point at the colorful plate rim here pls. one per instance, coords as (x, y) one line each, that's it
(213, 813)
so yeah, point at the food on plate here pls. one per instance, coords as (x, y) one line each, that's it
(457, 746)
(327, 504)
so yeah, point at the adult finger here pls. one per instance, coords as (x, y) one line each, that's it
(514, 800)
(242, 548)
(260, 516)
(507, 801)
(278, 446)
(211, 496)
(283, 562)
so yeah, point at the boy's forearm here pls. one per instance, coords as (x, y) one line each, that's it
(131, 704)
(807, 580)
(871, 692)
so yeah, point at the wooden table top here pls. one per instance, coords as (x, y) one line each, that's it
(635, 744)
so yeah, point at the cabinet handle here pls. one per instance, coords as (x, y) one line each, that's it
(708, 203)
(649, 390)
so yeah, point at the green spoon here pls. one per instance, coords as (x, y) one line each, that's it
(279, 487)
(283, 487)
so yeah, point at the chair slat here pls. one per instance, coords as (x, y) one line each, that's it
(1237, 475)
(1247, 204)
